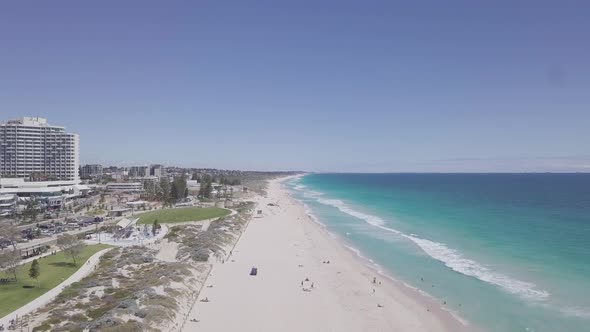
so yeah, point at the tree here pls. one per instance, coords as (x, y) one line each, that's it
(70, 245)
(35, 272)
(31, 210)
(150, 191)
(195, 176)
(164, 191)
(10, 260)
(155, 227)
(178, 188)
(208, 190)
(174, 192)
(10, 233)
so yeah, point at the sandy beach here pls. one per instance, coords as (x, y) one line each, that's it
(297, 290)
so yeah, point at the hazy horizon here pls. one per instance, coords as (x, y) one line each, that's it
(331, 86)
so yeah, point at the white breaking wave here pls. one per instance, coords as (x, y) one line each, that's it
(312, 194)
(373, 220)
(450, 257)
(299, 187)
(455, 261)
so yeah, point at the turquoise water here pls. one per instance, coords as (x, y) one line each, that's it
(508, 252)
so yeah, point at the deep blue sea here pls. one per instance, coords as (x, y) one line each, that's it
(507, 252)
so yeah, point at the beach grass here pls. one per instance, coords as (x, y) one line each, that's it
(182, 215)
(54, 269)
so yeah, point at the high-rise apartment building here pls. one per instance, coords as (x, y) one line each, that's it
(139, 171)
(157, 171)
(90, 170)
(31, 148)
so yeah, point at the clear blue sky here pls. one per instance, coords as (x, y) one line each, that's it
(313, 85)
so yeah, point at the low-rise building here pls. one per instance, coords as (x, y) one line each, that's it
(7, 204)
(125, 186)
(146, 179)
(49, 193)
(136, 204)
(193, 187)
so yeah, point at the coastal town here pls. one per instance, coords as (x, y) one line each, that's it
(60, 218)
(164, 248)
(294, 166)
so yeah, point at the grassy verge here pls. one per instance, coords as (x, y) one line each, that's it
(54, 269)
(95, 212)
(182, 215)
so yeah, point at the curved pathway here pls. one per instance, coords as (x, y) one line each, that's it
(82, 272)
(44, 299)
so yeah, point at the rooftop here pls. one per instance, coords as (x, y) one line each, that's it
(30, 121)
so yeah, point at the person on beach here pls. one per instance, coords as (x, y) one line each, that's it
(374, 280)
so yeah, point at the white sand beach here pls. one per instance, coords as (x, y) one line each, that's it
(288, 247)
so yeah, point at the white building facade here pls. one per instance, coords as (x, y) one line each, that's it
(49, 193)
(125, 186)
(7, 204)
(30, 147)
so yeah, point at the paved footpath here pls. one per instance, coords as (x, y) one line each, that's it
(44, 299)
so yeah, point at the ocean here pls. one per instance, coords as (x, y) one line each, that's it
(506, 252)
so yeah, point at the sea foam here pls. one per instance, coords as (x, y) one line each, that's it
(299, 187)
(439, 251)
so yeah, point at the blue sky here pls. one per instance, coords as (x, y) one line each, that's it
(312, 85)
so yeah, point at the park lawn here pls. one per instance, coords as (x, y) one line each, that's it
(54, 269)
(182, 215)
(95, 212)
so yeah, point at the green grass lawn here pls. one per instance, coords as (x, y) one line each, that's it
(95, 212)
(54, 269)
(182, 214)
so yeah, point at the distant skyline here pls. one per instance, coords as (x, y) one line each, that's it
(336, 86)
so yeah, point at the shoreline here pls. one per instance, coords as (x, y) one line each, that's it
(421, 295)
(296, 289)
(452, 320)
